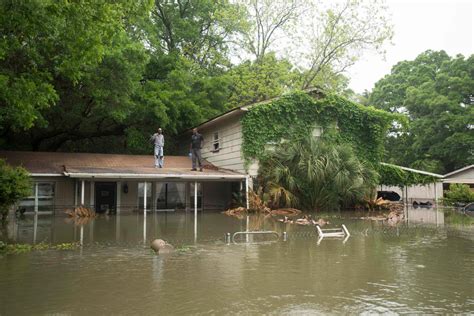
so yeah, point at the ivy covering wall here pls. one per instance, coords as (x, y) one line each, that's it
(296, 115)
(396, 176)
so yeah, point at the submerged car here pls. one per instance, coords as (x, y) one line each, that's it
(388, 195)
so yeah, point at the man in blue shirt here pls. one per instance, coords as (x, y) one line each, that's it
(195, 148)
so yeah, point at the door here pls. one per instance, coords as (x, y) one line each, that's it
(105, 197)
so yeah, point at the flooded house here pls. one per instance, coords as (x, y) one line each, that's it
(111, 183)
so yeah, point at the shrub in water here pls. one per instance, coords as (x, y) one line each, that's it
(14, 185)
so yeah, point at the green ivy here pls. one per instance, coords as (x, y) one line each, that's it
(295, 115)
(396, 176)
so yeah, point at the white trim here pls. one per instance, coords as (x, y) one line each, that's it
(153, 176)
(414, 170)
(459, 170)
(463, 181)
(33, 174)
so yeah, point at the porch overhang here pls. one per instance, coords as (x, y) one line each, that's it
(168, 176)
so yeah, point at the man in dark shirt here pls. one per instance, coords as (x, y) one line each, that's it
(195, 148)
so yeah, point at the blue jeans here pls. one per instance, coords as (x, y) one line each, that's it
(159, 156)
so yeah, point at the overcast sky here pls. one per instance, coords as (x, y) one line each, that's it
(419, 25)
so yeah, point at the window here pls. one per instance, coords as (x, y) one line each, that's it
(41, 198)
(170, 196)
(215, 142)
(317, 131)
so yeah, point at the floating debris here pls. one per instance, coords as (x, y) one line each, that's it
(81, 211)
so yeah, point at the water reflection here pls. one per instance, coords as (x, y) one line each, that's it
(410, 268)
(185, 226)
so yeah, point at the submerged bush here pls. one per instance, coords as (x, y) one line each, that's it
(316, 175)
(14, 185)
(458, 193)
(6, 248)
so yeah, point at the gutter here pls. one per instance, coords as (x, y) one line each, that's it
(46, 174)
(152, 176)
(414, 170)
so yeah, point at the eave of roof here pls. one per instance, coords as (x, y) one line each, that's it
(243, 108)
(458, 171)
(414, 170)
(82, 165)
(168, 176)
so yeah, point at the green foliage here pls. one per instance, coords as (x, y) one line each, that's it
(395, 176)
(454, 217)
(254, 81)
(67, 70)
(435, 92)
(458, 193)
(316, 175)
(6, 248)
(196, 30)
(14, 185)
(294, 116)
(45, 43)
(111, 72)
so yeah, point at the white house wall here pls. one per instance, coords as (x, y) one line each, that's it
(229, 156)
(466, 176)
(417, 193)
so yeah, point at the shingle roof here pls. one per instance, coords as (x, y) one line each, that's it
(85, 163)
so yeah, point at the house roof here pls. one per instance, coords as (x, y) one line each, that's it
(458, 171)
(241, 109)
(85, 165)
(414, 170)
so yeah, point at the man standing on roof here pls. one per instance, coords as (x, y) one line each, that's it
(195, 148)
(159, 141)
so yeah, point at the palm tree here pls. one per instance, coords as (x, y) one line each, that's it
(316, 175)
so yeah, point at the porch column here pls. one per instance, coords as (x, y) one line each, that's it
(82, 191)
(92, 195)
(81, 238)
(247, 190)
(144, 198)
(119, 190)
(36, 197)
(76, 187)
(436, 194)
(195, 198)
(195, 209)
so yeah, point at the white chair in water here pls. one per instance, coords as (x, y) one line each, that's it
(333, 232)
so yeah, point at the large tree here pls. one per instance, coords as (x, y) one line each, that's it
(436, 92)
(101, 76)
(67, 70)
(322, 39)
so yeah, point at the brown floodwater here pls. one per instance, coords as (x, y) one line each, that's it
(421, 266)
